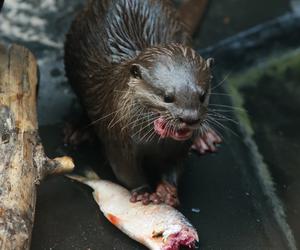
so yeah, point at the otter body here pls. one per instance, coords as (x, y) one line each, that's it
(144, 89)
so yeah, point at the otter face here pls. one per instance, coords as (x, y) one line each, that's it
(174, 83)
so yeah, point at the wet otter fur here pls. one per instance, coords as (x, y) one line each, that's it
(144, 89)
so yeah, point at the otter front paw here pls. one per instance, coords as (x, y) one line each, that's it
(167, 193)
(144, 195)
(207, 142)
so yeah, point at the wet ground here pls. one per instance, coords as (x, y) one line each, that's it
(270, 93)
(238, 198)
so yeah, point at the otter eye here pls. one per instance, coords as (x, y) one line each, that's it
(168, 98)
(202, 97)
(135, 71)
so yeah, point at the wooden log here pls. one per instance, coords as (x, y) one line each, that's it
(22, 159)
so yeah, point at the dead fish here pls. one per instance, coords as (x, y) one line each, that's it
(158, 227)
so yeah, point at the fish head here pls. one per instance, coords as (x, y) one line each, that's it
(175, 236)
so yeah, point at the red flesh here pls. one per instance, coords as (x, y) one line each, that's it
(181, 239)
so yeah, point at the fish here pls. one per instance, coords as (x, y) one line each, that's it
(156, 226)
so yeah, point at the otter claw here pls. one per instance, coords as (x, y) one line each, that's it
(207, 142)
(146, 198)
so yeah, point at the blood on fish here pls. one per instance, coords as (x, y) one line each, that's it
(113, 219)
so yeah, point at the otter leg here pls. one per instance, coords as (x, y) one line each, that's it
(207, 142)
(166, 189)
(128, 170)
(191, 13)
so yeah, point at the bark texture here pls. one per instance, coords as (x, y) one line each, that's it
(22, 160)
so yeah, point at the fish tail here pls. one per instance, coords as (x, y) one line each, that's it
(88, 176)
(78, 178)
(91, 174)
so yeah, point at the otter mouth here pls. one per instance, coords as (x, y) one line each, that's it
(164, 131)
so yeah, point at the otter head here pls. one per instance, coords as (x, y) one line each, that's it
(171, 85)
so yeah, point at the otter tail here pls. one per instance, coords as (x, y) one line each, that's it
(192, 12)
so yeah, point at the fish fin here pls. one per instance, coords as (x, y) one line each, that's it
(87, 181)
(90, 174)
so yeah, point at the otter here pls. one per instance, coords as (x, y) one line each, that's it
(145, 90)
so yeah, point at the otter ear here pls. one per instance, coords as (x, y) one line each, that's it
(135, 71)
(210, 62)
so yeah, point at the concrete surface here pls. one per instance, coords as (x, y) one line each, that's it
(270, 93)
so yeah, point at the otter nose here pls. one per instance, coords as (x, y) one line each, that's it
(189, 120)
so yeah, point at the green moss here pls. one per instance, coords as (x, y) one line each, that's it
(276, 67)
(282, 69)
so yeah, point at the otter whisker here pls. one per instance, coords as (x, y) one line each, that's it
(224, 110)
(166, 126)
(166, 117)
(146, 134)
(173, 130)
(147, 125)
(111, 124)
(221, 119)
(152, 130)
(200, 131)
(210, 119)
(220, 94)
(220, 125)
(103, 117)
(136, 123)
(172, 125)
(228, 107)
(221, 83)
(140, 125)
(215, 129)
(136, 112)
(152, 135)
(169, 126)
(143, 119)
(225, 118)
(121, 91)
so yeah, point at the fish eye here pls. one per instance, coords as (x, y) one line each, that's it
(169, 98)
